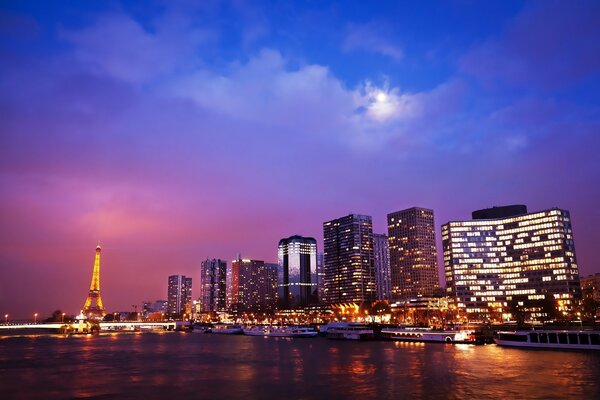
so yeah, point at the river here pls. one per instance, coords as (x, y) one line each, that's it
(177, 365)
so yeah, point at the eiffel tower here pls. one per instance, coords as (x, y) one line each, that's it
(98, 310)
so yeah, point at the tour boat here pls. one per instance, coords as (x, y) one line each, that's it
(349, 331)
(227, 329)
(414, 334)
(551, 339)
(281, 331)
(201, 328)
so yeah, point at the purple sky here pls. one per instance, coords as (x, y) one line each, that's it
(172, 133)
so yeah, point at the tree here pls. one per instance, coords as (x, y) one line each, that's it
(589, 309)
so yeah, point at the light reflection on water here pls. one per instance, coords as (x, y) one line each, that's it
(148, 366)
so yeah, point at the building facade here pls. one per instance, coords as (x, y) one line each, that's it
(348, 265)
(320, 277)
(381, 257)
(213, 279)
(413, 253)
(297, 257)
(179, 295)
(514, 263)
(590, 286)
(253, 286)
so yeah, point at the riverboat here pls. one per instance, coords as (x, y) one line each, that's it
(551, 339)
(412, 334)
(227, 329)
(281, 331)
(349, 331)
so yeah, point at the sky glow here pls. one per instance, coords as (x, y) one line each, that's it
(174, 131)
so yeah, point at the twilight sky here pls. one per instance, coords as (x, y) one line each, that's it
(174, 131)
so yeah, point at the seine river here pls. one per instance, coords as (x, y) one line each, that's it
(195, 366)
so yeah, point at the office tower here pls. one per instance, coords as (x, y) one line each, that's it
(320, 277)
(253, 286)
(349, 273)
(297, 258)
(512, 262)
(413, 253)
(213, 276)
(179, 295)
(381, 256)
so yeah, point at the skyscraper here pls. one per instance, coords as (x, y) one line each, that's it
(381, 252)
(297, 258)
(179, 294)
(253, 286)
(413, 253)
(349, 274)
(320, 276)
(506, 259)
(213, 294)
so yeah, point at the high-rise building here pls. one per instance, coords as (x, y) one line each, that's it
(179, 295)
(349, 273)
(381, 253)
(507, 261)
(413, 253)
(320, 277)
(253, 286)
(213, 278)
(297, 258)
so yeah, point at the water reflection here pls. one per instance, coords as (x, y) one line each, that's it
(148, 366)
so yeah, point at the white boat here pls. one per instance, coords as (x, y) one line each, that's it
(198, 328)
(227, 329)
(281, 331)
(551, 339)
(349, 331)
(413, 334)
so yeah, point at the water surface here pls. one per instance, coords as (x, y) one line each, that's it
(184, 365)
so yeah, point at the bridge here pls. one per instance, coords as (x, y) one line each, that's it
(86, 326)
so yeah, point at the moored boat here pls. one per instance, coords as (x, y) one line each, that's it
(413, 334)
(227, 329)
(349, 331)
(551, 339)
(281, 331)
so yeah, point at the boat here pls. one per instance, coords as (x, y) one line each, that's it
(551, 339)
(227, 329)
(200, 328)
(349, 331)
(414, 334)
(281, 331)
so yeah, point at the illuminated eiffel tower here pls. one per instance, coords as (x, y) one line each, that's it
(98, 310)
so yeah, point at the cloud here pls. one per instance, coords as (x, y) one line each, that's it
(550, 45)
(383, 104)
(372, 38)
(118, 45)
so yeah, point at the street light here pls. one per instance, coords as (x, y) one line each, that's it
(6, 318)
(35, 318)
(63, 317)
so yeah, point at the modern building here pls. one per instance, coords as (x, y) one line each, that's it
(507, 261)
(381, 256)
(320, 277)
(348, 265)
(413, 253)
(213, 279)
(179, 295)
(590, 286)
(253, 286)
(297, 257)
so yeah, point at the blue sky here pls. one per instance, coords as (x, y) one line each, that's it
(176, 131)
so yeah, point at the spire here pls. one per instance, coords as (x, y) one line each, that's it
(94, 293)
